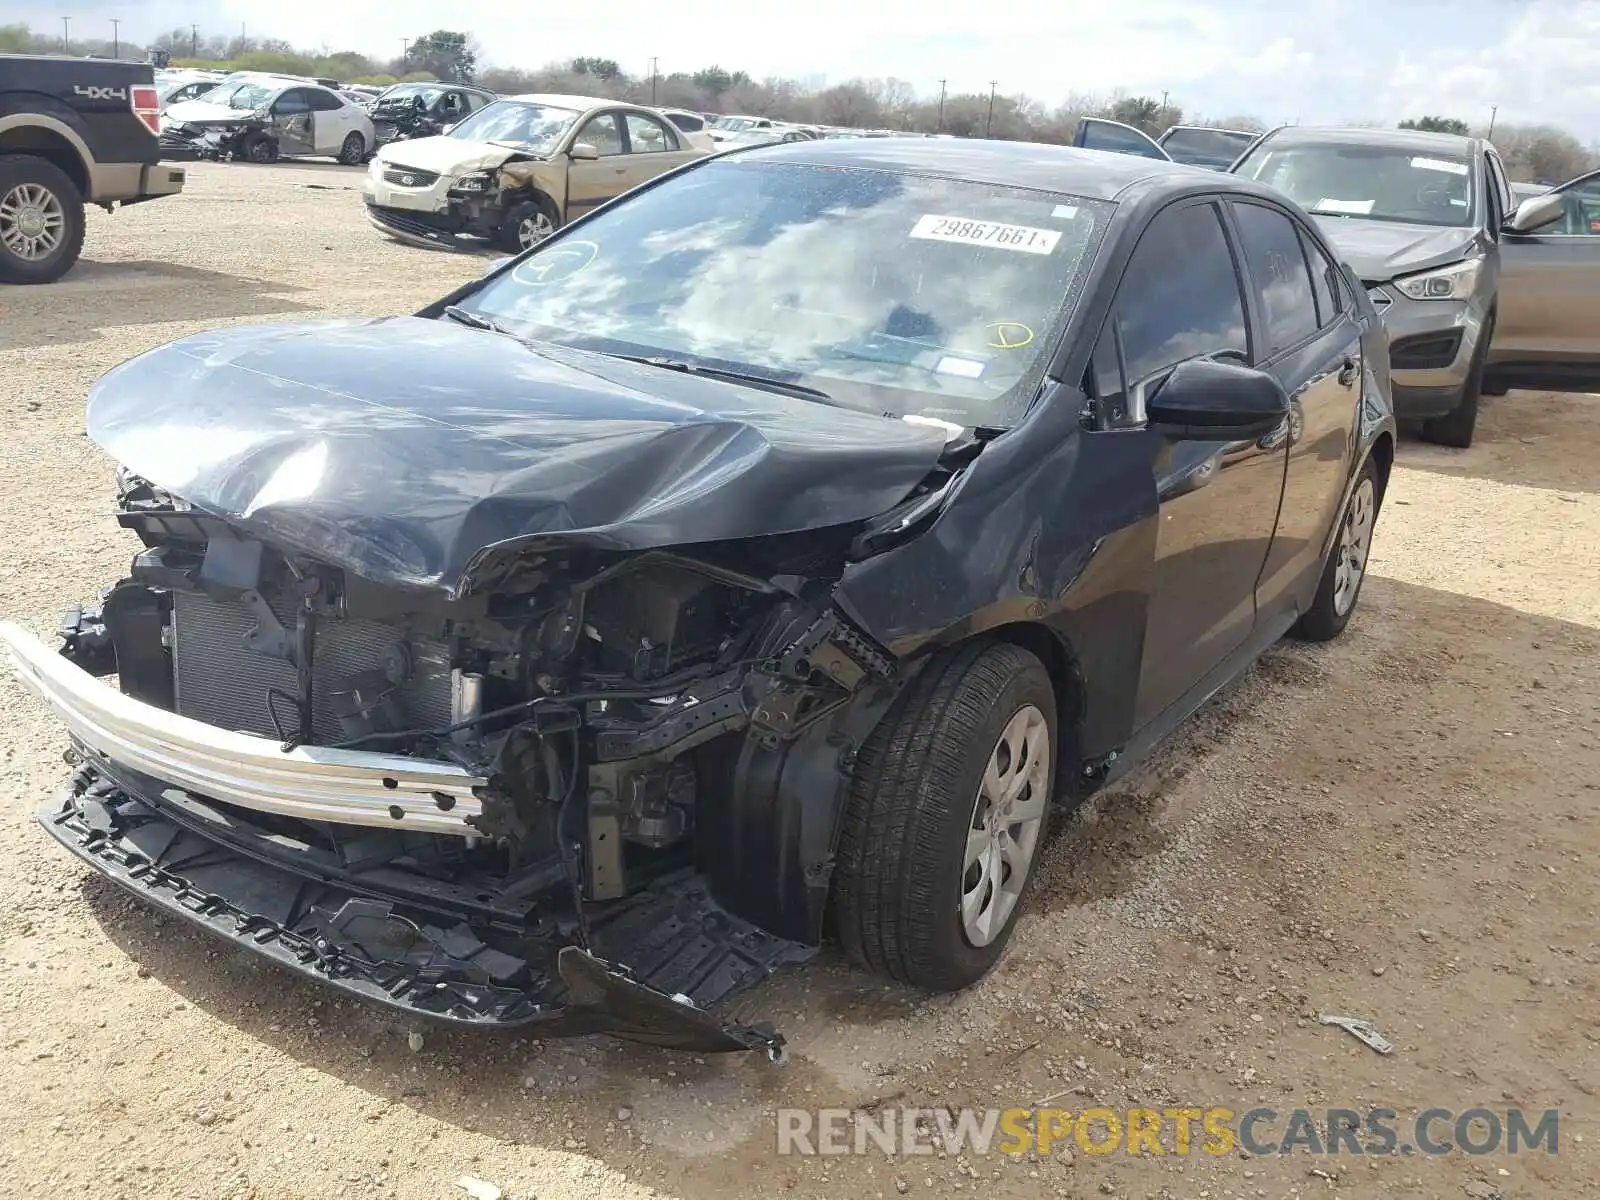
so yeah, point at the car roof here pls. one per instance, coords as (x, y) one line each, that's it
(557, 100)
(1401, 139)
(1092, 174)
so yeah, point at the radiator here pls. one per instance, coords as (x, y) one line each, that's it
(222, 682)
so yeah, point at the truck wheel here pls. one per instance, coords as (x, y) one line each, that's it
(946, 813)
(1457, 426)
(354, 150)
(41, 221)
(528, 224)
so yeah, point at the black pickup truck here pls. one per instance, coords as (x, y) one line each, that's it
(72, 131)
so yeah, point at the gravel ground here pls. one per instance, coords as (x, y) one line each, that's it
(1399, 825)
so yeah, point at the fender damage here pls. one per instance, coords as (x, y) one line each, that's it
(460, 698)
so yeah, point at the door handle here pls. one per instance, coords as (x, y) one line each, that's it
(1347, 372)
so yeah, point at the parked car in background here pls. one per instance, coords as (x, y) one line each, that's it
(1205, 146)
(765, 136)
(261, 118)
(517, 170)
(725, 126)
(692, 125)
(766, 553)
(174, 87)
(413, 110)
(72, 133)
(1479, 292)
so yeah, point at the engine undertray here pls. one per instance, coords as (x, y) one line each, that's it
(654, 961)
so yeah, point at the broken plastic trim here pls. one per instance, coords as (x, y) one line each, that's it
(658, 959)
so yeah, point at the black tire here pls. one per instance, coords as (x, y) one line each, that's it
(24, 177)
(1457, 426)
(257, 148)
(899, 874)
(354, 151)
(1325, 619)
(509, 237)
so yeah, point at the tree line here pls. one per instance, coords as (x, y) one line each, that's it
(1532, 152)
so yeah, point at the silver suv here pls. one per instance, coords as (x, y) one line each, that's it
(1479, 292)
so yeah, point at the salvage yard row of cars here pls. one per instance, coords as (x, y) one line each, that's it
(761, 555)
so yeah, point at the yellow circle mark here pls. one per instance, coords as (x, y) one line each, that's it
(562, 262)
(1008, 335)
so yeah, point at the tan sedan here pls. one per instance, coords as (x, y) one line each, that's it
(517, 170)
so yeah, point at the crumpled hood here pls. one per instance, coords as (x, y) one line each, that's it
(401, 448)
(1381, 250)
(200, 112)
(445, 155)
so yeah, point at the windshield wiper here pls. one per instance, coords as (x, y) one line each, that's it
(744, 377)
(462, 317)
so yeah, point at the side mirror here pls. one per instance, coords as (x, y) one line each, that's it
(583, 152)
(1206, 400)
(1535, 213)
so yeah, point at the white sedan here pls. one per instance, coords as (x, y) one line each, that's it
(261, 118)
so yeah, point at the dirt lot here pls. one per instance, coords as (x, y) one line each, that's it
(1399, 826)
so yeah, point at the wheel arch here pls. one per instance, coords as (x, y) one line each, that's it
(49, 139)
(1061, 663)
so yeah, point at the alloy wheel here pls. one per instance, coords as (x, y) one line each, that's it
(1355, 539)
(32, 222)
(1004, 831)
(534, 229)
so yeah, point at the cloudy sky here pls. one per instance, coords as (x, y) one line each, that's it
(1319, 60)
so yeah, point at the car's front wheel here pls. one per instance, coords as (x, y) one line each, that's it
(946, 813)
(353, 151)
(1457, 426)
(528, 224)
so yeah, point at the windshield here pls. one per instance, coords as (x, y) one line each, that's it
(895, 294)
(1377, 183)
(734, 123)
(407, 91)
(244, 95)
(535, 128)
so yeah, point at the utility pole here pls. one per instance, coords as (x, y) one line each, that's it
(405, 48)
(989, 120)
(194, 41)
(653, 62)
(116, 37)
(1163, 100)
(1494, 111)
(939, 128)
(66, 40)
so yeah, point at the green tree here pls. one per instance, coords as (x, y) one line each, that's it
(1435, 125)
(444, 55)
(601, 68)
(1139, 111)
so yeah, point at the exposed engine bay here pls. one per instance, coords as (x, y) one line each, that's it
(608, 710)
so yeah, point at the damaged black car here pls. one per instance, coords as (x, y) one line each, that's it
(416, 110)
(758, 559)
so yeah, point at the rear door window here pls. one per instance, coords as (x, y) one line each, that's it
(1276, 261)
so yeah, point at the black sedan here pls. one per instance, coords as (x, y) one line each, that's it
(765, 553)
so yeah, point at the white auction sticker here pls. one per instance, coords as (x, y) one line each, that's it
(1439, 164)
(1065, 212)
(986, 233)
(967, 368)
(1354, 208)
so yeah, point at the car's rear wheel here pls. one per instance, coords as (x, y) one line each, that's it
(1346, 569)
(41, 221)
(353, 151)
(947, 810)
(528, 224)
(1457, 426)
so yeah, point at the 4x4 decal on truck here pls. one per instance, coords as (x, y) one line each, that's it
(100, 93)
